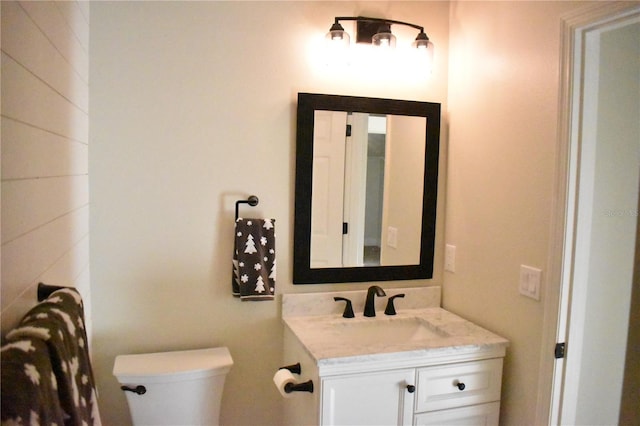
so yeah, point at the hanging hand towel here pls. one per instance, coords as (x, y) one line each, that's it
(59, 322)
(254, 259)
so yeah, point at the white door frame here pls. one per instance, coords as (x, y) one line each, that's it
(557, 298)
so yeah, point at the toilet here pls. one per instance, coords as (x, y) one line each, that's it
(174, 388)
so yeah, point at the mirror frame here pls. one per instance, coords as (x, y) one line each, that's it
(307, 104)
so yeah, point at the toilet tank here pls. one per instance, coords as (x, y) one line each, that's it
(180, 387)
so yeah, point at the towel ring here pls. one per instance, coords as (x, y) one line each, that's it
(252, 201)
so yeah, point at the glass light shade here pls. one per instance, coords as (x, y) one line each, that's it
(337, 46)
(423, 44)
(337, 36)
(384, 37)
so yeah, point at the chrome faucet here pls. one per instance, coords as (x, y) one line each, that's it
(370, 306)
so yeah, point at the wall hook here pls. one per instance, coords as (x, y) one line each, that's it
(252, 201)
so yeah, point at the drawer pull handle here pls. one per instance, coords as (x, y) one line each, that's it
(459, 385)
(411, 388)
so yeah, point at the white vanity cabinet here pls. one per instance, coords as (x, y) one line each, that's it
(459, 393)
(401, 389)
(390, 370)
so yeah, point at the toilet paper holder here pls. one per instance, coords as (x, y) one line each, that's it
(294, 368)
(297, 387)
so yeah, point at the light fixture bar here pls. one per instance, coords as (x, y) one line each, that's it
(377, 20)
(376, 31)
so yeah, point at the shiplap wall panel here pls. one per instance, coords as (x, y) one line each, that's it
(71, 268)
(77, 272)
(27, 45)
(29, 100)
(72, 13)
(57, 195)
(29, 152)
(48, 17)
(28, 258)
(71, 265)
(45, 105)
(84, 9)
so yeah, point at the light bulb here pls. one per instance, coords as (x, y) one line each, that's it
(384, 38)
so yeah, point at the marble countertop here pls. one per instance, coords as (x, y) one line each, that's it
(449, 337)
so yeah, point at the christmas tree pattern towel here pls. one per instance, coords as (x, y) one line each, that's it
(254, 259)
(58, 324)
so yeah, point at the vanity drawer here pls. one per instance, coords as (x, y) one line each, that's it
(483, 414)
(448, 386)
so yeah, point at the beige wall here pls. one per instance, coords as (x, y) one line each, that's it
(45, 117)
(404, 165)
(503, 97)
(193, 107)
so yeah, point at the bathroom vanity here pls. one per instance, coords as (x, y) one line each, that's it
(422, 366)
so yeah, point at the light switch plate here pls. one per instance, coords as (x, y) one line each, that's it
(392, 237)
(530, 279)
(450, 258)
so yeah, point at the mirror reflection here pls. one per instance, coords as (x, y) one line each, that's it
(367, 189)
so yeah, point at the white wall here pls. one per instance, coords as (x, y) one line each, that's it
(45, 117)
(193, 107)
(503, 97)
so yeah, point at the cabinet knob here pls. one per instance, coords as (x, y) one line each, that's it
(411, 388)
(459, 385)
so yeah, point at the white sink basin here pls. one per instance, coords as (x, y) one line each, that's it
(386, 331)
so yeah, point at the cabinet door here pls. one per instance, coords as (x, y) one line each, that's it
(475, 415)
(380, 398)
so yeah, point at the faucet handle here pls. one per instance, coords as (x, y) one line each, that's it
(391, 309)
(348, 309)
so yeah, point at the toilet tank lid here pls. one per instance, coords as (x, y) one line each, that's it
(175, 365)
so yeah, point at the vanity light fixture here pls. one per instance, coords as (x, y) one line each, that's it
(376, 31)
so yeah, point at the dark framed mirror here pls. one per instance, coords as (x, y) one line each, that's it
(366, 189)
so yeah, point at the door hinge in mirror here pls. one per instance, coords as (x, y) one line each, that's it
(345, 228)
(348, 130)
(559, 351)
